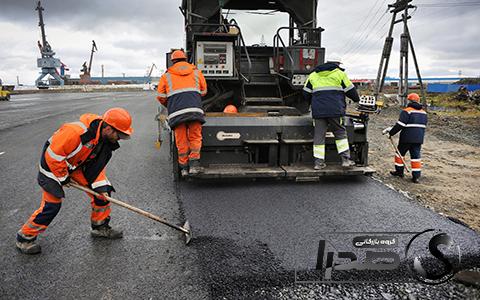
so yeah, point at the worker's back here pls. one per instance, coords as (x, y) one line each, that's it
(181, 88)
(327, 86)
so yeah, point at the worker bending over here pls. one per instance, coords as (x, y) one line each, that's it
(181, 89)
(79, 151)
(326, 88)
(411, 125)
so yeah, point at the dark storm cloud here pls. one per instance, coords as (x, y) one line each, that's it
(132, 34)
(92, 12)
(106, 16)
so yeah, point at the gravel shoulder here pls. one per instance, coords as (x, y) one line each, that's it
(451, 164)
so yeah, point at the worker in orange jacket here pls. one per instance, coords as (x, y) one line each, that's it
(181, 89)
(79, 151)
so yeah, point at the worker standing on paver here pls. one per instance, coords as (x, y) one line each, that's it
(326, 88)
(181, 89)
(77, 151)
(411, 124)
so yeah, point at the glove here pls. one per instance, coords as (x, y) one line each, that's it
(66, 181)
(162, 100)
(162, 118)
(102, 197)
(387, 130)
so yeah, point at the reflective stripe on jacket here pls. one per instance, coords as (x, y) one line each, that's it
(181, 89)
(326, 88)
(74, 145)
(411, 124)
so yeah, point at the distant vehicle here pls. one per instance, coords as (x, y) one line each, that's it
(42, 85)
(4, 94)
(5, 91)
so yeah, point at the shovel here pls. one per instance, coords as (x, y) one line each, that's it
(185, 229)
(398, 153)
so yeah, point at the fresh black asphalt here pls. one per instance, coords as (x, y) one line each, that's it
(247, 235)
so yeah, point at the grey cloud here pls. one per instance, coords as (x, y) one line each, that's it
(133, 34)
(88, 15)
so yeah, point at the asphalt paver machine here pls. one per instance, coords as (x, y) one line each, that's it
(272, 134)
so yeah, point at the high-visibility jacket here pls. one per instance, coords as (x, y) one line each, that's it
(181, 89)
(326, 88)
(76, 145)
(412, 124)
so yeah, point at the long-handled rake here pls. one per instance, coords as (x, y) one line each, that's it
(185, 228)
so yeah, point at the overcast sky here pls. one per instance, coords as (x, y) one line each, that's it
(131, 35)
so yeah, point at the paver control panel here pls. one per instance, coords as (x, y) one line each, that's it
(215, 59)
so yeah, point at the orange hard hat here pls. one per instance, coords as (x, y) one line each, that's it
(178, 54)
(120, 119)
(413, 97)
(230, 109)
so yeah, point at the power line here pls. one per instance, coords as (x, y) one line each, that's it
(448, 4)
(367, 17)
(364, 38)
(455, 3)
(366, 32)
(382, 32)
(429, 13)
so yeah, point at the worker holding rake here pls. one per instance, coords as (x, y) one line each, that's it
(411, 125)
(77, 151)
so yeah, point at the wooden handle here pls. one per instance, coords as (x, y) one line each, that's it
(128, 206)
(398, 153)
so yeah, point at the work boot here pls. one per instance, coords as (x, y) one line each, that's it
(319, 164)
(194, 165)
(415, 180)
(347, 162)
(397, 174)
(26, 246)
(105, 231)
(183, 169)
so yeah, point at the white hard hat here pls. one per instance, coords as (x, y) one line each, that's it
(334, 59)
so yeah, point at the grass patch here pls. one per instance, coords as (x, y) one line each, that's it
(453, 106)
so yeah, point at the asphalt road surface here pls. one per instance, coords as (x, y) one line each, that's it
(249, 237)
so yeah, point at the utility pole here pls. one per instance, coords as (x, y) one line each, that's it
(405, 43)
(103, 71)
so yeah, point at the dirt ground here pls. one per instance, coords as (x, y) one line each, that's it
(451, 164)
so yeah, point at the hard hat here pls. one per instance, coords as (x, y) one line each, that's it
(119, 119)
(230, 109)
(178, 54)
(334, 59)
(413, 97)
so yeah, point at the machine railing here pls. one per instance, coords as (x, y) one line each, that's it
(277, 40)
(239, 38)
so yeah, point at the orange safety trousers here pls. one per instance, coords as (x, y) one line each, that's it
(50, 206)
(188, 138)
